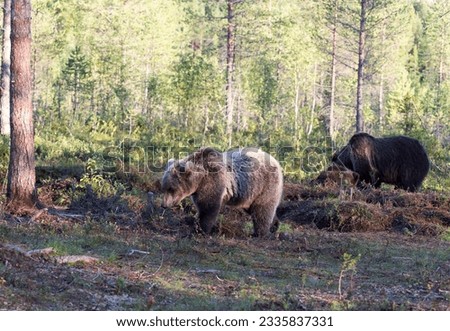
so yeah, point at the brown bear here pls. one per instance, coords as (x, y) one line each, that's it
(399, 160)
(341, 158)
(246, 178)
(339, 175)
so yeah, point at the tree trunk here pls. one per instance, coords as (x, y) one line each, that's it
(231, 43)
(381, 103)
(75, 95)
(205, 126)
(381, 85)
(333, 72)
(21, 190)
(313, 105)
(6, 70)
(441, 61)
(146, 103)
(361, 60)
(296, 108)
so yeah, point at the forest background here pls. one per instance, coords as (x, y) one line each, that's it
(133, 83)
(120, 86)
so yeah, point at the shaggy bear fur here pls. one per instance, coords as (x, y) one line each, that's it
(246, 178)
(399, 160)
(339, 175)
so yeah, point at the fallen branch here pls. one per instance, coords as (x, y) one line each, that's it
(42, 251)
(75, 259)
(15, 248)
(32, 253)
(75, 216)
(132, 251)
(57, 212)
(37, 214)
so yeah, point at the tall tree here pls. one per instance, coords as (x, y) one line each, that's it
(21, 190)
(381, 79)
(331, 21)
(361, 28)
(361, 63)
(76, 75)
(333, 68)
(6, 70)
(231, 44)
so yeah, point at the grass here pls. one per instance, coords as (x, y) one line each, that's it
(446, 235)
(238, 274)
(303, 268)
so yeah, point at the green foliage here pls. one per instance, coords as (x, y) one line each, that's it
(76, 70)
(153, 72)
(69, 149)
(4, 156)
(96, 181)
(193, 83)
(349, 263)
(446, 235)
(264, 86)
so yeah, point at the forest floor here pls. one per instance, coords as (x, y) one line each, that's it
(374, 250)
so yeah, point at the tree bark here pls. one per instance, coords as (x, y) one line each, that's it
(313, 105)
(381, 103)
(21, 192)
(333, 71)
(361, 62)
(6, 70)
(441, 61)
(381, 84)
(231, 44)
(296, 107)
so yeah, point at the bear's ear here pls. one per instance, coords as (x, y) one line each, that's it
(169, 163)
(209, 152)
(212, 159)
(183, 167)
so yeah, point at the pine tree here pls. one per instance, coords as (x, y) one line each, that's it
(21, 190)
(6, 71)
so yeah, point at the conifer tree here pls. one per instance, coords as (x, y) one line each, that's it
(21, 190)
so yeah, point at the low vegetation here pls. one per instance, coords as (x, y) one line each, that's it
(121, 87)
(118, 250)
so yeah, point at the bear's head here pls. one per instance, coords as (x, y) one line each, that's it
(340, 177)
(362, 147)
(183, 177)
(341, 158)
(177, 182)
(361, 142)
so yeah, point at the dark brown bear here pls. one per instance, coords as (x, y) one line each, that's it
(247, 178)
(341, 158)
(399, 160)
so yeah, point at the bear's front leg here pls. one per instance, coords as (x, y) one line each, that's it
(262, 216)
(208, 213)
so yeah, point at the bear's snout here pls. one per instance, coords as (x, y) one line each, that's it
(169, 201)
(166, 203)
